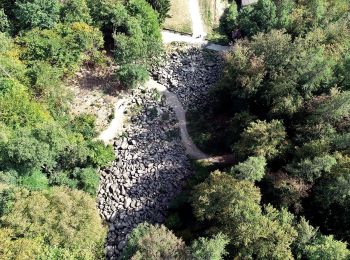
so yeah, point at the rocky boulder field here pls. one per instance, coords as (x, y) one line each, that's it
(151, 165)
(190, 72)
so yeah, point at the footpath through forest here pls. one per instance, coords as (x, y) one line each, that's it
(153, 148)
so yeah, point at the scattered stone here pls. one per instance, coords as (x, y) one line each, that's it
(151, 165)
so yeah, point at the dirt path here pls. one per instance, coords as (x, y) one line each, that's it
(169, 37)
(197, 23)
(116, 125)
(174, 103)
(198, 32)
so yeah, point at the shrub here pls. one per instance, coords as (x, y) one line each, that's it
(213, 249)
(132, 74)
(63, 178)
(60, 222)
(88, 180)
(37, 13)
(75, 11)
(36, 180)
(85, 125)
(101, 155)
(153, 242)
(253, 169)
(230, 18)
(45, 79)
(261, 138)
(162, 7)
(4, 23)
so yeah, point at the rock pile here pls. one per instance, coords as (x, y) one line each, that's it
(189, 72)
(149, 171)
(151, 164)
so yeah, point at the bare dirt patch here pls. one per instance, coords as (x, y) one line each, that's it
(95, 91)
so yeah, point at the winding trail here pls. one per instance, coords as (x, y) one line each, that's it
(174, 103)
(116, 125)
(197, 23)
(198, 35)
(133, 190)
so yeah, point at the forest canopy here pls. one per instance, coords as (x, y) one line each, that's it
(48, 156)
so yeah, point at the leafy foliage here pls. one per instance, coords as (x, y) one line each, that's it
(162, 7)
(37, 13)
(59, 222)
(153, 242)
(4, 23)
(213, 248)
(253, 169)
(258, 18)
(261, 139)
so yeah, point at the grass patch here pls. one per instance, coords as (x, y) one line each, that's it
(211, 12)
(180, 18)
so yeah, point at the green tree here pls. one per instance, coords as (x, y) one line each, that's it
(75, 11)
(268, 236)
(153, 242)
(284, 9)
(312, 169)
(333, 110)
(209, 249)
(16, 107)
(60, 222)
(65, 46)
(260, 17)
(225, 200)
(333, 188)
(230, 17)
(232, 206)
(162, 7)
(253, 169)
(262, 71)
(311, 244)
(37, 13)
(261, 138)
(4, 23)
(326, 247)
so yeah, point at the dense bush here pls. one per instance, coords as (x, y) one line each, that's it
(37, 13)
(153, 242)
(297, 17)
(64, 46)
(134, 29)
(162, 7)
(54, 224)
(157, 242)
(284, 96)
